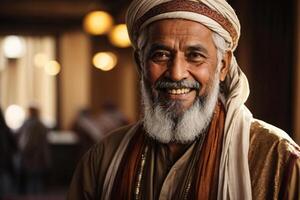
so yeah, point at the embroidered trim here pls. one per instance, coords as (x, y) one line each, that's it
(189, 6)
(137, 191)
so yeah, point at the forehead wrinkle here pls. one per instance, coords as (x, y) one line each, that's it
(197, 47)
(157, 45)
(176, 35)
(179, 36)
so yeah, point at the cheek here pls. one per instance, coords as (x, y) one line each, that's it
(154, 72)
(203, 76)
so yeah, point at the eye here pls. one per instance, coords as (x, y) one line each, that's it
(195, 56)
(160, 56)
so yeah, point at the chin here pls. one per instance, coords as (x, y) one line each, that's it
(173, 104)
(173, 119)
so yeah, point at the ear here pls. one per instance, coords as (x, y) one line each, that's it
(138, 63)
(226, 61)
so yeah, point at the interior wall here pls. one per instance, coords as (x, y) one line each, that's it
(119, 85)
(297, 80)
(266, 55)
(130, 90)
(42, 86)
(24, 84)
(74, 80)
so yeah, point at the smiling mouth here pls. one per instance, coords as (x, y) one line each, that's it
(178, 91)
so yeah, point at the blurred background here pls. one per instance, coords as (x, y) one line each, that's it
(67, 77)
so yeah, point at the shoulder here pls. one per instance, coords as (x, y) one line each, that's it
(272, 156)
(114, 138)
(90, 172)
(106, 148)
(267, 137)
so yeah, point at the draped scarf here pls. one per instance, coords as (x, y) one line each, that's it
(201, 178)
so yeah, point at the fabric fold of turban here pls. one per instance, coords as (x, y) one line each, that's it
(217, 15)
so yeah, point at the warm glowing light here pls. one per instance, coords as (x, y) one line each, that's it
(119, 36)
(40, 59)
(14, 116)
(97, 22)
(13, 46)
(105, 61)
(52, 67)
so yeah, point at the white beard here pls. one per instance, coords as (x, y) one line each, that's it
(160, 125)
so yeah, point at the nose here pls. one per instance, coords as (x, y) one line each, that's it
(177, 69)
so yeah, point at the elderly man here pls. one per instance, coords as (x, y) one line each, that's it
(196, 139)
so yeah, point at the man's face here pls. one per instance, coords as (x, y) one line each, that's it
(181, 53)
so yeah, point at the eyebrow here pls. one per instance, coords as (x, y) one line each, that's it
(157, 46)
(197, 47)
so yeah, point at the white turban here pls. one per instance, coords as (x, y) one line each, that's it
(218, 16)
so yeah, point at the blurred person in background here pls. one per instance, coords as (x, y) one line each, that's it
(110, 118)
(35, 153)
(8, 149)
(91, 128)
(85, 127)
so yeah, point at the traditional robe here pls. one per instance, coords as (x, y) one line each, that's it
(273, 161)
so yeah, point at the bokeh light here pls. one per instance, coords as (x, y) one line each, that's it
(105, 60)
(97, 22)
(14, 116)
(119, 36)
(52, 67)
(13, 46)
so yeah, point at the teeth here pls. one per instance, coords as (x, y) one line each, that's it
(179, 91)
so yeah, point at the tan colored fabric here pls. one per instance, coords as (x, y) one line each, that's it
(115, 162)
(274, 164)
(125, 180)
(277, 170)
(164, 171)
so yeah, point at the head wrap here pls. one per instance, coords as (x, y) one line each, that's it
(218, 16)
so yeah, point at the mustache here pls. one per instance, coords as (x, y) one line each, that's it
(165, 83)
